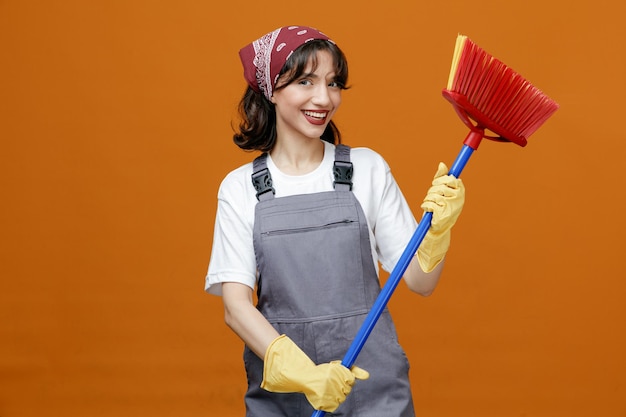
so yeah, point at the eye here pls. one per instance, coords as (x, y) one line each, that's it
(336, 84)
(305, 81)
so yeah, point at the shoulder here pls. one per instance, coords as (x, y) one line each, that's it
(368, 162)
(366, 155)
(371, 178)
(237, 184)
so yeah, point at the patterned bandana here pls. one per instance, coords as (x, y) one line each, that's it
(264, 58)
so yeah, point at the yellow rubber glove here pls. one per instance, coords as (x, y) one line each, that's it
(288, 369)
(445, 200)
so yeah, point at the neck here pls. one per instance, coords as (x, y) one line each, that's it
(298, 159)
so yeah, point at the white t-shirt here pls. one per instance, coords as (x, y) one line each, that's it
(390, 220)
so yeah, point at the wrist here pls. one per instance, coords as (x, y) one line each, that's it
(433, 249)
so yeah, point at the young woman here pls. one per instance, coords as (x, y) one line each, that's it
(306, 224)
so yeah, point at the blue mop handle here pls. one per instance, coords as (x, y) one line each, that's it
(396, 275)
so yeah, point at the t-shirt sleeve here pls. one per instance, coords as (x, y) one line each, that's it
(232, 253)
(395, 223)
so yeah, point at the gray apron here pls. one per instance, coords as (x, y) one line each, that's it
(317, 282)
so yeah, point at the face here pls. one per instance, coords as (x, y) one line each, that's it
(305, 106)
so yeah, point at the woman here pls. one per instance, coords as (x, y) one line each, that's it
(306, 225)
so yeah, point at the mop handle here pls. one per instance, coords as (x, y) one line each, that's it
(396, 275)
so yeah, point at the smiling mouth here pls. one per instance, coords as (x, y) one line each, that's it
(316, 114)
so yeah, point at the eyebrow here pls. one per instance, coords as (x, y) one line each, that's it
(309, 75)
(314, 75)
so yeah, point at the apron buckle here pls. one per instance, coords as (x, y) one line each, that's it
(342, 171)
(262, 182)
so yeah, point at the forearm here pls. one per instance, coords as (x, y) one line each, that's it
(245, 320)
(445, 199)
(423, 283)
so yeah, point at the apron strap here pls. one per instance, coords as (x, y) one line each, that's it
(261, 178)
(342, 172)
(343, 169)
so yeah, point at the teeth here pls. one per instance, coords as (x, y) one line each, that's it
(315, 114)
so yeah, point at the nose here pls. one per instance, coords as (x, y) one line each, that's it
(321, 97)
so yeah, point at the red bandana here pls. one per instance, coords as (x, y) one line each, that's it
(264, 58)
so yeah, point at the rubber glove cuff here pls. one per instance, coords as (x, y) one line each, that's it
(432, 250)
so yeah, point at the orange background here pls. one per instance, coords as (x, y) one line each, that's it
(115, 125)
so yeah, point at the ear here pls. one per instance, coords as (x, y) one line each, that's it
(272, 99)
